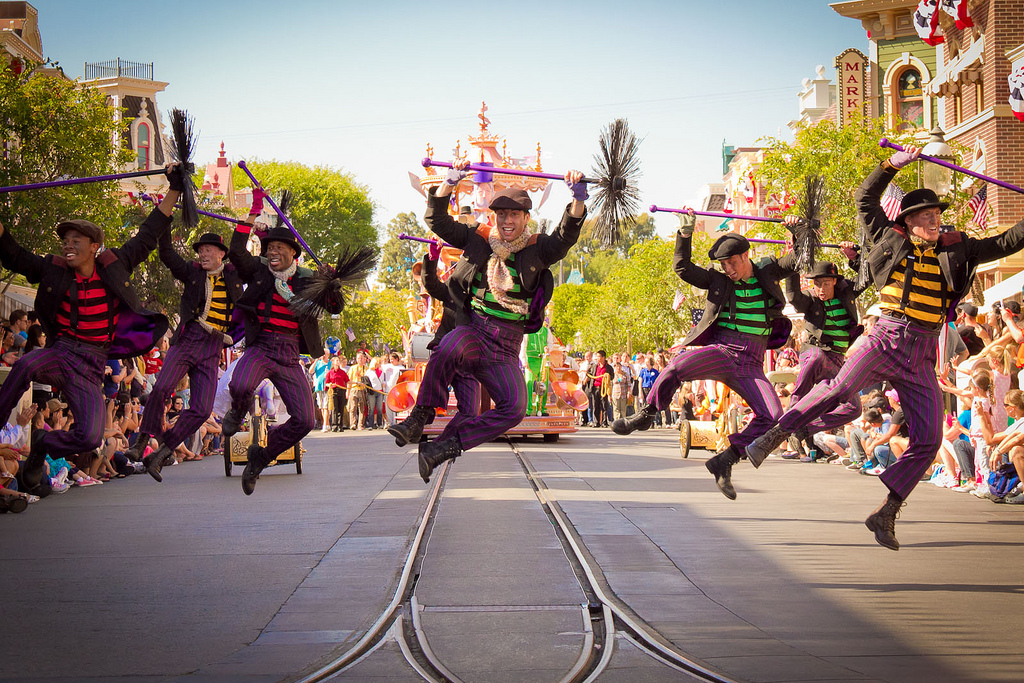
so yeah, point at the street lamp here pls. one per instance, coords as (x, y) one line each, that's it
(933, 176)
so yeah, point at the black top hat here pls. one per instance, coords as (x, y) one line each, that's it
(915, 200)
(87, 228)
(823, 269)
(281, 235)
(729, 244)
(210, 238)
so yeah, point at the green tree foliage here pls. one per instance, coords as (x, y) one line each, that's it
(595, 260)
(570, 305)
(375, 317)
(398, 256)
(843, 157)
(52, 128)
(329, 208)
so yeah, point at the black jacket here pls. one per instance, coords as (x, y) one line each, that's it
(259, 281)
(138, 329)
(532, 261)
(193, 297)
(451, 314)
(959, 254)
(813, 308)
(721, 292)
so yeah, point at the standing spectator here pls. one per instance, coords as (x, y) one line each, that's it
(337, 382)
(620, 391)
(600, 377)
(375, 395)
(318, 371)
(19, 325)
(390, 372)
(357, 392)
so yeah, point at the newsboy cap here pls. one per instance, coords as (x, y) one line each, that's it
(511, 199)
(82, 226)
(728, 245)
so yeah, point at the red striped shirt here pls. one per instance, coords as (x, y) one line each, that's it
(280, 318)
(95, 322)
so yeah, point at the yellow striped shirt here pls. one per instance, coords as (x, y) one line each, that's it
(929, 295)
(220, 308)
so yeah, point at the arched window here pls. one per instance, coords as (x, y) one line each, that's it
(909, 100)
(142, 146)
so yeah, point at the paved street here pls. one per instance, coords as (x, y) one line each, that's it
(192, 580)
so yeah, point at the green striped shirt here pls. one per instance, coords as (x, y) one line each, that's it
(836, 333)
(751, 310)
(485, 303)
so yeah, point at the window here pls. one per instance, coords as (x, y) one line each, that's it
(142, 145)
(909, 100)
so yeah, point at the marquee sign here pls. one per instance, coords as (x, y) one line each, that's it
(851, 70)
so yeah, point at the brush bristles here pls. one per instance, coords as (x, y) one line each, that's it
(806, 238)
(326, 291)
(617, 199)
(286, 206)
(183, 130)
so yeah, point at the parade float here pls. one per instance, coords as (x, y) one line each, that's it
(555, 386)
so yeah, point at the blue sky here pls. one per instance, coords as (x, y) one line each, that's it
(364, 86)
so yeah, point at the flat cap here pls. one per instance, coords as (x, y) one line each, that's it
(511, 199)
(729, 244)
(80, 225)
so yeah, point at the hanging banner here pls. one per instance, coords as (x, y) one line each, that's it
(851, 70)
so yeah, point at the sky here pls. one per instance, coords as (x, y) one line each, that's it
(364, 86)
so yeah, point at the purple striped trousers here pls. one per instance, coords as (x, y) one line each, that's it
(76, 369)
(902, 353)
(197, 352)
(735, 359)
(467, 398)
(275, 357)
(488, 350)
(818, 365)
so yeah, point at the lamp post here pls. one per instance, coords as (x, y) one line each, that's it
(933, 176)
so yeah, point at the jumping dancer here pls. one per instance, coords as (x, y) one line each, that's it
(921, 276)
(743, 318)
(212, 288)
(274, 338)
(503, 283)
(90, 313)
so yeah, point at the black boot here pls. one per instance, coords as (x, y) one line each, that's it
(134, 453)
(231, 423)
(883, 522)
(34, 469)
(154, 462)
(433, 453)
(763, 445)
(643, 419)
(411, 428)
(258, 461)
(721, 467)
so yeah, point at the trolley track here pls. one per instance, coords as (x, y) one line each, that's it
(606, 619)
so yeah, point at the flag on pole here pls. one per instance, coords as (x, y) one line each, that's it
(891, 199)
(1016, 81)
(678, 300)
(350, 334)
(979, 208)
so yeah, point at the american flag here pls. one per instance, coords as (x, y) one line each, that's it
(678, 300)
(979, 207)
(891, 200)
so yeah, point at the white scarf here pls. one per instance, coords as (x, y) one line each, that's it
(281, 278)
(499, 279)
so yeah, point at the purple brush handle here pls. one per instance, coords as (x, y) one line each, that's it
(761, 241)
(241, 165)
(655, 209)
(428, 162)
(884, 142)
(79, 181)
(228, 219)
(403, 236)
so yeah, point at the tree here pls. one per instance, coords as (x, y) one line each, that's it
(376, 319)
(329, 208)
(570, 306)
(843, 157)
(595, 260)
(51, 127)
(398, 256)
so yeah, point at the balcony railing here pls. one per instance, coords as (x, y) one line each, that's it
(117, 68)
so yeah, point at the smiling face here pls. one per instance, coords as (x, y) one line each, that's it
(924, 224)
(511, 222)
(210, 257)
(280, 255)
(79, 250)
(738, 267)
